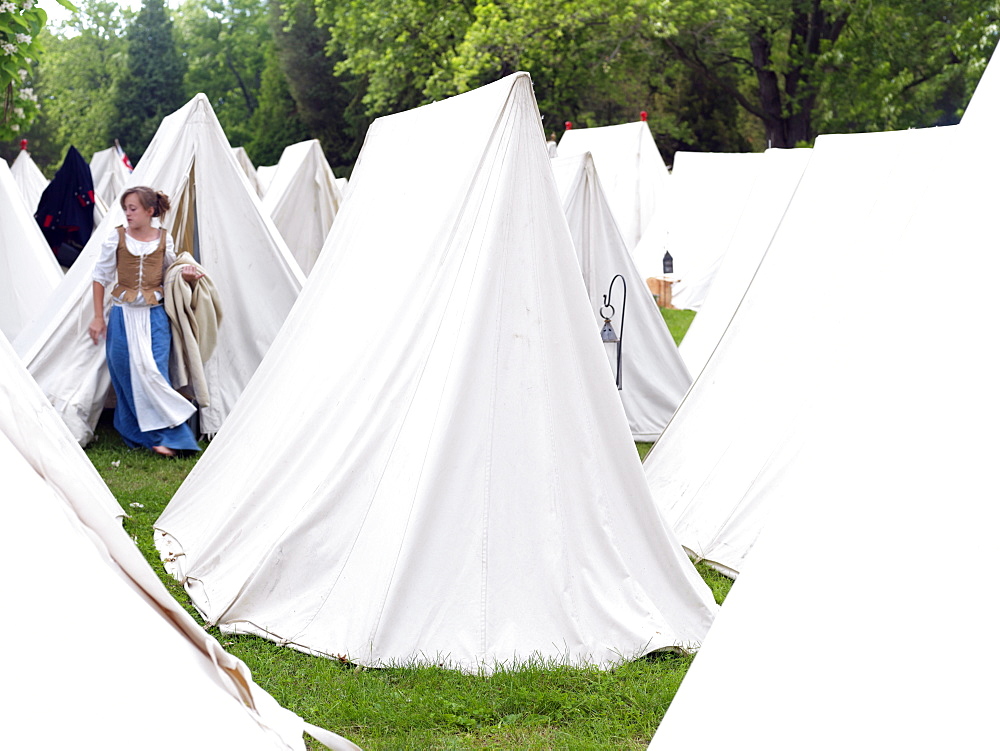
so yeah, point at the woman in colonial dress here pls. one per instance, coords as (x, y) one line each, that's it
(134, 258)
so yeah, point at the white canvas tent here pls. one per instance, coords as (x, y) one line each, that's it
(110, 175)
(887, 515)
(43, 440)
(86, 581)
(984, 107)
(731, 439)
(28, 269)
(303, 199)
(29, 179)
(708, 194)
(243, 159)
(632, 172)
(780, 172)
(654, 378)
(454, 481)
(218, 217)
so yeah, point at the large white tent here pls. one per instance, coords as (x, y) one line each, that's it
(887, 516)
(780, 172)
(653, 376)
(110, 174)
(28, 269)
(40, 436)
(709, 192)
(29, 179)
(243, 159)
(107, 640)
(452, 480)
(302, 198)
(632, 172)
(731, 439)
(218, 218)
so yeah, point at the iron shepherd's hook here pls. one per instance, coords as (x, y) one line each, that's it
(621, 334)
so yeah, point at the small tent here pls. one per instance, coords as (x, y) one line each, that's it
(110, 171)
(217, 218)
(780, 172)
(302, 199)
(709, 195)
(30, 180)
(885, 520)
(632, 172)
(243, 159)
(28, 269)
(452, 480)
(81, 574)
(653, 377)
(728, 445)
(67, 209)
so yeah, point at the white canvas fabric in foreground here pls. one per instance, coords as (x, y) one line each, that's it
(731, 440)
(708, 195)
(779, 175)
(28, 268)
(303, 199)
(633, 174)
(445, 476)
(886, 519)
(30, 180)
(40, 436)
(143, 673)
(654, 378)
(257, 280)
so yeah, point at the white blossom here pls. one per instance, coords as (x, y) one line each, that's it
(28, 93)
(8, 48)
(28, 4)
(23, 74)
(19, 112)
(22, 38)
(15, 127)
(7, 7)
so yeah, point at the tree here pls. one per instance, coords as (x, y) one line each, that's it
(84, 61)
(797, 62)
(224, 44)
(152, 84)
(276, 122)
(21, 23)
(327, 98)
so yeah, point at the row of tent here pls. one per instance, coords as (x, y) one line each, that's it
(465, 478)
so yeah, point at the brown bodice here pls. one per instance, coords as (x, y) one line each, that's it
(140, 273)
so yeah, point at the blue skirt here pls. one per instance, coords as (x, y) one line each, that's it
(179, 438)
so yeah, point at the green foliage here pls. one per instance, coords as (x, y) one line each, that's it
(276, 122)
(81, 69)
(152, 82)
(224, 44)
(327, 100)
(21, 25)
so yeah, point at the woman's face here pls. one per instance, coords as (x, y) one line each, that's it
(137, 215)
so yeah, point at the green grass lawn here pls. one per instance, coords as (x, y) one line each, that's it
(531, 707)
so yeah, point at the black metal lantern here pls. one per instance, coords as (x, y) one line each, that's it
(608, 335)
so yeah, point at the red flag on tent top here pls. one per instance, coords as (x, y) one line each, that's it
(24, 144)
(643, 115)
(569, 125)
(122, 155)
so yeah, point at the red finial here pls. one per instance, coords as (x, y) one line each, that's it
(569, 125)
(643, 115)
(24, 144)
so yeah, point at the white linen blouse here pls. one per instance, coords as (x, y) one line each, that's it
(106, 270)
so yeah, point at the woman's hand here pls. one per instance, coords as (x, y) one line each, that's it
(97, 329)
(191, 274)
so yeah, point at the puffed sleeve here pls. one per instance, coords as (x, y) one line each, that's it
(106, 269)
(169, 254)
